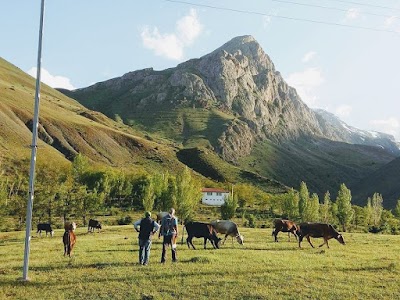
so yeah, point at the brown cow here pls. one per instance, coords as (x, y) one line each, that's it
(317, 230)
(284, 226)
(69, 238)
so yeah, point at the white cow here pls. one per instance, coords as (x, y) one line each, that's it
(228, 228)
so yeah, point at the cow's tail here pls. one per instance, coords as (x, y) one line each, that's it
(183, 233)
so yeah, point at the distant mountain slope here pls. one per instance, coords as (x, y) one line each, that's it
(385, 181)
(232, 101)
(321, 163)
(67, 127)
(346, 133)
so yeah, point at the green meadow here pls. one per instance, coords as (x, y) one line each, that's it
(105, 266)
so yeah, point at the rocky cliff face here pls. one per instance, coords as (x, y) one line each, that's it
(238, 78)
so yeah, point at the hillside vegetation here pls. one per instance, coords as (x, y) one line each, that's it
(68, 128)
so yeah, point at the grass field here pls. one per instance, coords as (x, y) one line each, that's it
(104, 266)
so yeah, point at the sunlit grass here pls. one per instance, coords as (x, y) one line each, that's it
(104, 266)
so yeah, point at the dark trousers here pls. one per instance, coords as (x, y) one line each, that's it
(144, 251)
(168, 240)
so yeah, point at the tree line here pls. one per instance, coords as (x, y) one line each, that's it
(305, 207)
(82, 190)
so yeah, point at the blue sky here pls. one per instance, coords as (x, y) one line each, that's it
(349, 71)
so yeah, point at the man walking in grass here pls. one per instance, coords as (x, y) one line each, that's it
(147, 228)
(169, 231)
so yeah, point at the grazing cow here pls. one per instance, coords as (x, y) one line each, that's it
(94, 224)
(69, 238)
(228, 228)
(161, 215)
(201, 230)
(284, 226)
(317, 230)
(45, 227)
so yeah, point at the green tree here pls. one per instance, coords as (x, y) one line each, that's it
(326, 209)
(168, 196)
(228, 209)
(313, 208)
(396, 210)
(244, 193)
(148, 195)
(290, 205)
(377, 208)
(188, 194)
(303, 201)
(359, 216)
(345, 212)
(368, 212)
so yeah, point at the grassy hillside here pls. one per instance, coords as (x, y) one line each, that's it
(66, 128)
(385, 181)
(322, 164)
(104, 266)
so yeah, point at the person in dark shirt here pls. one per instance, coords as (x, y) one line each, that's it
(146, 228)
(169, 231)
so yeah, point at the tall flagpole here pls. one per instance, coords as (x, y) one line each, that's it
(34, 150)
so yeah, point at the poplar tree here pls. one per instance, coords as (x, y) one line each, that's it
(290, 204)
(303, 201)
(326, 209)
(313, 208)
(148, 195)
(368, 212)
(344, 210)
(377, 208)
(188, 194)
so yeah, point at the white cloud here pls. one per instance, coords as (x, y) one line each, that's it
(266, 20)
(390, 126)
(308, 56)
(390, 20)
(352, 14)
(167, 45)
(343, 110)
(55, 81)
(171, 45)
(189, 28)
(305, 83)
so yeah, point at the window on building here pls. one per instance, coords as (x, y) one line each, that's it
(209, 193)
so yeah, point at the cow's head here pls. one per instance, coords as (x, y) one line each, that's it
(239, 239)
(217, 240)
(99, 225)
(340, 239)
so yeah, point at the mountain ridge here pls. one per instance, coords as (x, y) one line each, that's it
(230, 101)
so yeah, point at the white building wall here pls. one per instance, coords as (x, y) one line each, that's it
(214, 198)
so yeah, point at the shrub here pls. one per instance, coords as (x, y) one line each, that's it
(125, 220)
